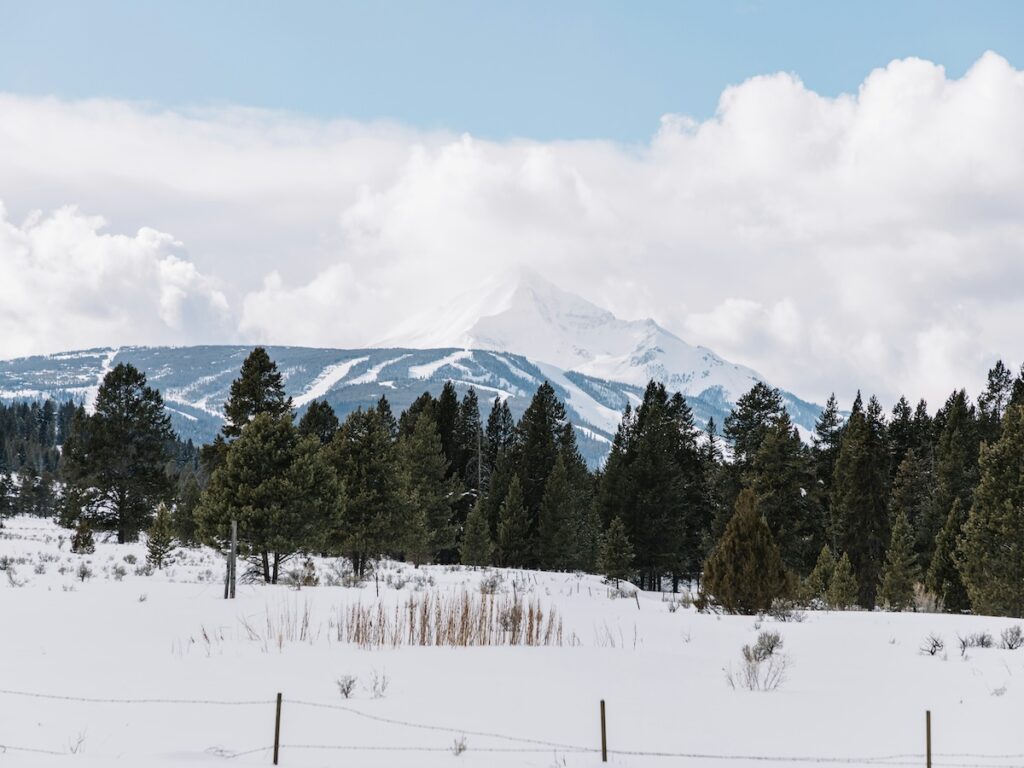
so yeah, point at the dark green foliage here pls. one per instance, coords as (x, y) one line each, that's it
(541, 432)
(755, 413)
(828, 433)
(278, 488)
(860, 520)
(913, 496)
(428, 496)
(513, 528)
(956, 455)
(558, 514)
(782, 475)
(446, 416)
(901, 571)
(902, 434)
(654, 481)
(993, 401)
(258, 389)
(616, 552)
(744, 572)
(500, 434)
(815, 586)
(423, 403)
(476, 548)
(160, 541)
(365, 523)
(944, 579)
(115, 458)
(184, 515)
(842, 589)
(83, 543)
(991, 556)
(319, 421)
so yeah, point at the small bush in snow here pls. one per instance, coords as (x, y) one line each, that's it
(785, 610)
(131, 559)
(459, 746)
(83, 542)
(977, 640)
(933, 645)
(491, 584)
(119, 572)
(341, 574)
(40, 569)
(346, 685)
(146, 569)
(379, 682)
(84, 572)
(306, 576)
(1012, 637)
(763, 668)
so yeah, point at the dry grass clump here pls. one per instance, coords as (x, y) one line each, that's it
(459, 620)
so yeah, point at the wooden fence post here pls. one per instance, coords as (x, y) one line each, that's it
(604, 736)
(277, 729)
(928, 737)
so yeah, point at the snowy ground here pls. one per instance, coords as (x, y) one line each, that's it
(857, 685)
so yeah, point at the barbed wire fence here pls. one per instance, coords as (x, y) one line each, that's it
(522, 745)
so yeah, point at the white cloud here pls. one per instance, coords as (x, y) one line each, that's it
(874, 240)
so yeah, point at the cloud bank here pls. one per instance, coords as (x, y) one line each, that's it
(872, 240)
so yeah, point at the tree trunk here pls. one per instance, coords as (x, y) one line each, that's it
(277, 564)
(266, 566)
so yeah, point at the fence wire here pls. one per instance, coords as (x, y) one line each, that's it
(533, 745)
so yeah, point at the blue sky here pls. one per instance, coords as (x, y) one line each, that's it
(541, 70)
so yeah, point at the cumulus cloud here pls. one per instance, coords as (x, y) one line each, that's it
(871, 240)
(67, 285)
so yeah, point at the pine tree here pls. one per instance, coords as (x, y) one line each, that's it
(258, 389)
(365, 522)
(447, 417)
(500, 435)
(749, 421)
(991, 557)
(428, 495)
(476, 547)
(842, 590)
(782, 476)
(115, 458)
(161, 540)
(277, 487)
(944, 579)
(913, 496)
(557, 514)
(744, 572)
(860, 521)
(993, 401)
(513, 528)
(616, 552)
(319, 421)
(956, 456)
(902, 439)
(83, 543)
(900, 572)
(815, 586)
(828, 433)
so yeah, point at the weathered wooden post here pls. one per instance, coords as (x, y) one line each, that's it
(928, 737)
(277, 729)
(604, 736)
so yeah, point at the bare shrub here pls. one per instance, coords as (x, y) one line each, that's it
(1012, 638)
(379, 682)
(341, 574)
(785, 610)
(491, 584)
(763, 668)
(459, 746)
(976, 640)
(346, 685)
(84, 571)
(306, 576)
(119, 572)
(933, 645)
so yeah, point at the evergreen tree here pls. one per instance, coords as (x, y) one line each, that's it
(944, 579)
(258, 389)
(407, 420)
(1017, 390)
(500, 434)
(923, 429)
(319, 421)
(991, 555)
(476, 547)
(842, 589)
(587, 549)
(616, 552)
(993, 401)
(160, 540)
(900, 572)
(83, 543)
(815, 586)
(428, 495)
(364, 524)
(755, 412)
(828, 433)
(557, 516)
(782, 476)
(513, 528)
(902, 438)
(744, 572)
(184, 515)
(115, 457)
(540, 431)
(956, 455)
(447, 416)
(859, 516)
(277, 487)
(468, 438)
(913, 496)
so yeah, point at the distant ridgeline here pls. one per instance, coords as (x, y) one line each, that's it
(194, 382)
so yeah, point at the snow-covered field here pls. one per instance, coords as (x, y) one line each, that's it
(856, 688)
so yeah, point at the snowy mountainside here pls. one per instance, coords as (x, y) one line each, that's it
(541, 321)
(195, 381)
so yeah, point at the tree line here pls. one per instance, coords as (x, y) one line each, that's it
(884, 509)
